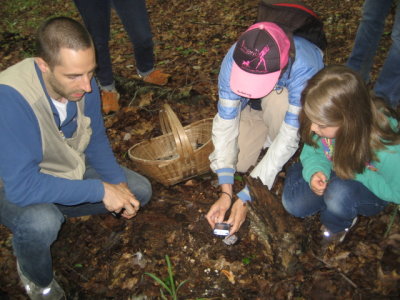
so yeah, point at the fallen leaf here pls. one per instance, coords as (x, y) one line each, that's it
(342, 255)
(118, 59)
(129, 283)
(145, 99)
(133, 109)
(190, 183)
(229, 275)
(144, 127)
(127, 136)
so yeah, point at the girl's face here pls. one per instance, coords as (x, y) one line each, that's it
(324, 131)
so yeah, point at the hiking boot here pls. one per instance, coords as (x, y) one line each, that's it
(109, 101)
(52, 292)
(331, 240)
(156, 77)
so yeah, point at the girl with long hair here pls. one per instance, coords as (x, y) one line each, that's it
(350, 161)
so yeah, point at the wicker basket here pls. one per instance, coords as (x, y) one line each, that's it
(177, 155)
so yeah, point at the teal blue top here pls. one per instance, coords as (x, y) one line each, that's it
(381, 178)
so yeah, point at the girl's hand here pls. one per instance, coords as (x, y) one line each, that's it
(318, 183)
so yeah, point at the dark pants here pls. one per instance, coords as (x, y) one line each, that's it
(342, 201)
(369, 33)
(134, 17)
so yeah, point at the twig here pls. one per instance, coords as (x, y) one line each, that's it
(133, 98)
(218, 24)
(79, 274)
(348, 280)
(392, 217)
(337, 270)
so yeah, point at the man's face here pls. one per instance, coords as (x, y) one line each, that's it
(70, 78)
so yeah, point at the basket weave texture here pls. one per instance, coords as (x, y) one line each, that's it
(177, 155)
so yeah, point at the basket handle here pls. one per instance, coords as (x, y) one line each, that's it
(170, 123)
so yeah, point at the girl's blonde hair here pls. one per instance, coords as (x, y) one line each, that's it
(337, 96)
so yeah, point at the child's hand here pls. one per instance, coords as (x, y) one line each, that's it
(318, 183)
(237, 216)
(216, 214)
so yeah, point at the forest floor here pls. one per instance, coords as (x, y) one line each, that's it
(101, 257)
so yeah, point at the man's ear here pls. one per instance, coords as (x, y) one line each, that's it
(43, 66)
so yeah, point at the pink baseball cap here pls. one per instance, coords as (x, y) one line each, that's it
(261, 53)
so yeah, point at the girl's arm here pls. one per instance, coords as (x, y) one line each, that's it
(313, 161)
(385, 182)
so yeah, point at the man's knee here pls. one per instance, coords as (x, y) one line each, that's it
(139, 185)
(144, 191)
(41, 222)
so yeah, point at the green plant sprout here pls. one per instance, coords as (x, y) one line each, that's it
(238, 178)
(391, 221)
(247, 260)
(169, 283)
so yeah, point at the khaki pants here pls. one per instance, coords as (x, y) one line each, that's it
(258, 128)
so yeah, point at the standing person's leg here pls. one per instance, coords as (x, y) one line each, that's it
(344, 200)
(138, 185)
(368, 36)
(297, 198)
(134, 17)
(388, 84)
(96, 16)
(34, 228)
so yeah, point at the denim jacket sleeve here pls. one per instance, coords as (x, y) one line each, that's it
(314, 160)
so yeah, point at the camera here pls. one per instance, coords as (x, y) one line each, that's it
(221, 229)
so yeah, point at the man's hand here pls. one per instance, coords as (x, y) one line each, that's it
(217, 211)
(237, 216)
(318, 183)
(118, 197)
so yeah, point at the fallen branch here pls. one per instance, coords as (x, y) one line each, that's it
(280, 233)
(337, 270)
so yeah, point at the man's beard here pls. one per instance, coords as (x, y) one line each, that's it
(57, 89)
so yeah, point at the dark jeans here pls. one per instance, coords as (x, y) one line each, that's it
(342, 201)
(134, 17)
(366, 43)
(35, 227)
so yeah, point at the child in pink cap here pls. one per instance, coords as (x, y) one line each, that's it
(260, 84)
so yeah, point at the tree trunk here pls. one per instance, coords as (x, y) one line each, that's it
(281, 234)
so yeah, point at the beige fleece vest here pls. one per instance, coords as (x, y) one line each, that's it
(62, 157)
